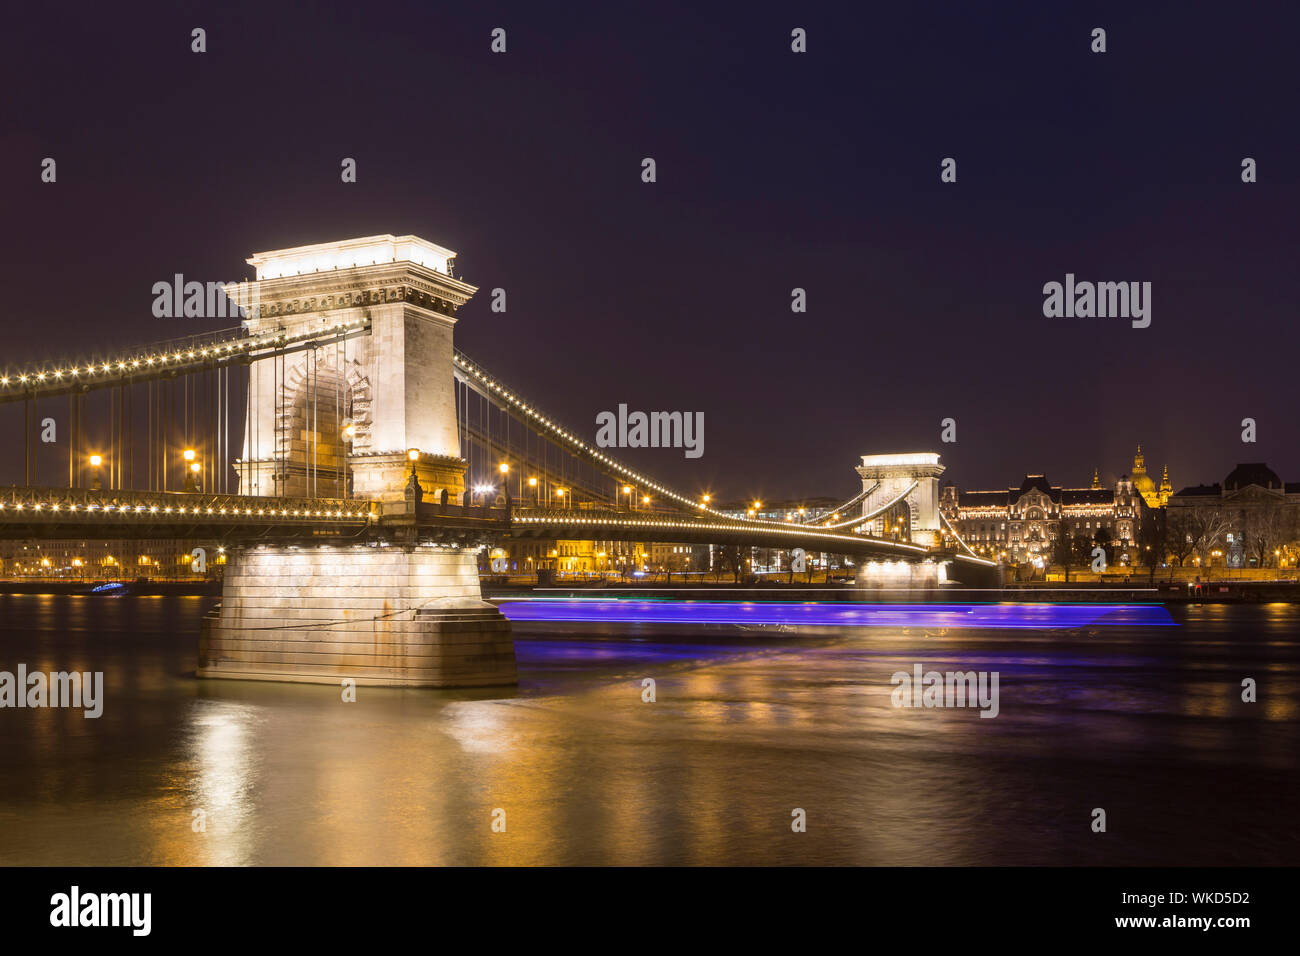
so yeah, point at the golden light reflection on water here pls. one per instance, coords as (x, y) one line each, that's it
(587, 772)
(224, 772)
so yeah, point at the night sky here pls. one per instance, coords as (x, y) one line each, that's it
(775, 171)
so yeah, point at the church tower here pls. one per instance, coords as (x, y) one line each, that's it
(1142, 481)
(1166, 488)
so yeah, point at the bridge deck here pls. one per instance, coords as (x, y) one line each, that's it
(77, 513)
(639, 526)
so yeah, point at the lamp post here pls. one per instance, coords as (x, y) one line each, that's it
(95, 483)
(413, 489)
(532, 483)
(191, 470)
(627, 490)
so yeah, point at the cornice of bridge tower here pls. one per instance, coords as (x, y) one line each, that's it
(351, 253)
(911, 465)
(352, 273)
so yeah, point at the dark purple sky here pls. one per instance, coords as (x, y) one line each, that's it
(775, 170)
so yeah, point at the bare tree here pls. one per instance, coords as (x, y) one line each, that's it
(1063, 552)
(1153, 539)
(1266, 533)
(1208, 528)
(1180, 539)
(729, 558)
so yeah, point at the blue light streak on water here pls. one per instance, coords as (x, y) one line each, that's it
(838, 614)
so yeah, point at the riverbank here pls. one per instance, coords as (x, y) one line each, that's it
(145, 588)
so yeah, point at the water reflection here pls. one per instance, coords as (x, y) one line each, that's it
(746, 726)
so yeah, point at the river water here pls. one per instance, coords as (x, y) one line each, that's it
(749, 725)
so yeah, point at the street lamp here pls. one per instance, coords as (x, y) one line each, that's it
(627, 490)
(413, 483)
(191, 478)
(95, 462)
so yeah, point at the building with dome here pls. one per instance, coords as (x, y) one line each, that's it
(1155, 497)
(1249, 520)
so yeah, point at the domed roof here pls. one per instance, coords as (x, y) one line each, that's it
(1142, 482)
(1251, 473)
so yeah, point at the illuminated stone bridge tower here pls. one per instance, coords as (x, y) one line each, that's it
(913, 480)
(891, 476)
(335, 420)
(348, 412)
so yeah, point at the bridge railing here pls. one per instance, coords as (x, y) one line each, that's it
(33, 504)
(611, 523)
(451, 513)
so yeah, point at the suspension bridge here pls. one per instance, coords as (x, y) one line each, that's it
(354, 463)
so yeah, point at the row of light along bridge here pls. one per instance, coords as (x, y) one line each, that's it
(203, 393)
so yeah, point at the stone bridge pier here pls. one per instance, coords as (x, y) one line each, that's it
(354, 418)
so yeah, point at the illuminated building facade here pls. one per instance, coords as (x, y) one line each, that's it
(160, 559)
(1250, 519)
(569, 557)
(1023, 524)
